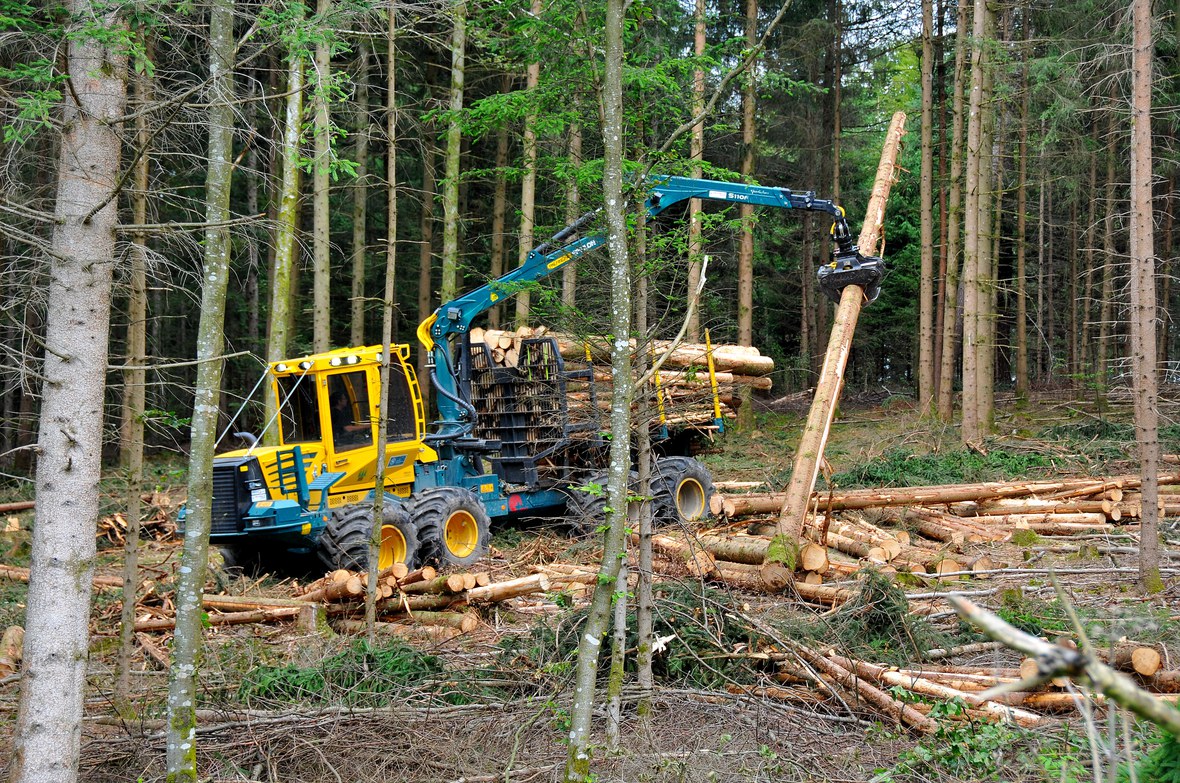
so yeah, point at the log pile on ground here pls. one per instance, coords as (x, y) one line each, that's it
(920, 530)
(683, 382)
(408, 602)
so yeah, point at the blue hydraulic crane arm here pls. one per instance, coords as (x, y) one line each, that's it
(455, 317)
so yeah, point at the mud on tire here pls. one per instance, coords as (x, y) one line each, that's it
(453, 526)
(344, 542)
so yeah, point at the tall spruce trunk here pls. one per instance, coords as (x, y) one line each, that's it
(321, 182)
(696, 154)
(57, 611)
(1145, 384)
(946, 371)
(926, 209)
(134, 395)
(426, 248)
(974, 207)
(360, 197)
(745, 307)
(1106, 300)
(190, 580)
(454, 148)
(578, 762)
(499, 211)
(573, 208)
(528, 185)
(281, 321)
(1021, 287)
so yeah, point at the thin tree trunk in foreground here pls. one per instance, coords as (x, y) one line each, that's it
(134, 396)
(926, 187)
(49, 719)
(450, 195)
(279, 327)
(578, 761)
(387, 304)
(1145, 384)
(321, 168)
(360, 196)
(827, 392)
(190, 581)
(973, 293)
(528, 187)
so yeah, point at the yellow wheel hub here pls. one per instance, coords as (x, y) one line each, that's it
(690, 499)
(393, 547)
(461, 534)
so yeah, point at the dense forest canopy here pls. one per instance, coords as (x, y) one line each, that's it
(824, 82)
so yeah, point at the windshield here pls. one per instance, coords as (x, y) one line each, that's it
(300, 414)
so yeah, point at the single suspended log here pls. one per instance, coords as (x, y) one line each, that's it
(809, 454)
(231, 618)
(871, 694)
(512, 588)
(21, 505)
(11, 646)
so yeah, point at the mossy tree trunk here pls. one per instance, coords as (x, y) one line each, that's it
(190, 581)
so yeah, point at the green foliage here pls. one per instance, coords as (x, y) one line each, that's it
(356, 676)
(878, 621)
(900, 468)
(1162, 764)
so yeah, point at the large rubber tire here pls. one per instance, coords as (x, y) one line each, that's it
(585, 511)
(453, 526)
(344, 542)
(681, 488)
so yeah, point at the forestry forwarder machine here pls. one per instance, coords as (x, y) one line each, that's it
(507, 441)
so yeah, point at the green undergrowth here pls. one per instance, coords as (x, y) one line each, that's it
(1104, 624)
(356, 676)
(901, 468)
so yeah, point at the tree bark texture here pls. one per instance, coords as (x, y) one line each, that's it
(49, 718)
(951, 308)
(321, 182)
(926, 208)
(190, 581)
(745, 307)
(360, 197)
(1021, 289)
(450, 195)
(281, 322)
(581, 712)
(1145, 383)
(528, 185)
(696, 154)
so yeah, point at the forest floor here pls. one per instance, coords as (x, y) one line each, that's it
(283, 704)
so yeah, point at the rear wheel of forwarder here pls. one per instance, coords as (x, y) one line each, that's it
(585, 508)
(453, 525)
(344, 542)
(680, 488)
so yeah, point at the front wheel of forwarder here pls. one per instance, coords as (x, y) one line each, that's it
(681, 488)
(452, 525)
(344, 542)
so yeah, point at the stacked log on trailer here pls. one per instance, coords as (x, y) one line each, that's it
(683, 383)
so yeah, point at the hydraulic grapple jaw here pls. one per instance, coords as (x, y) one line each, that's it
(849, 267)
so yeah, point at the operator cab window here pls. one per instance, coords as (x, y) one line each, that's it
(401, 424)
(348, 398)
(300, 412)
